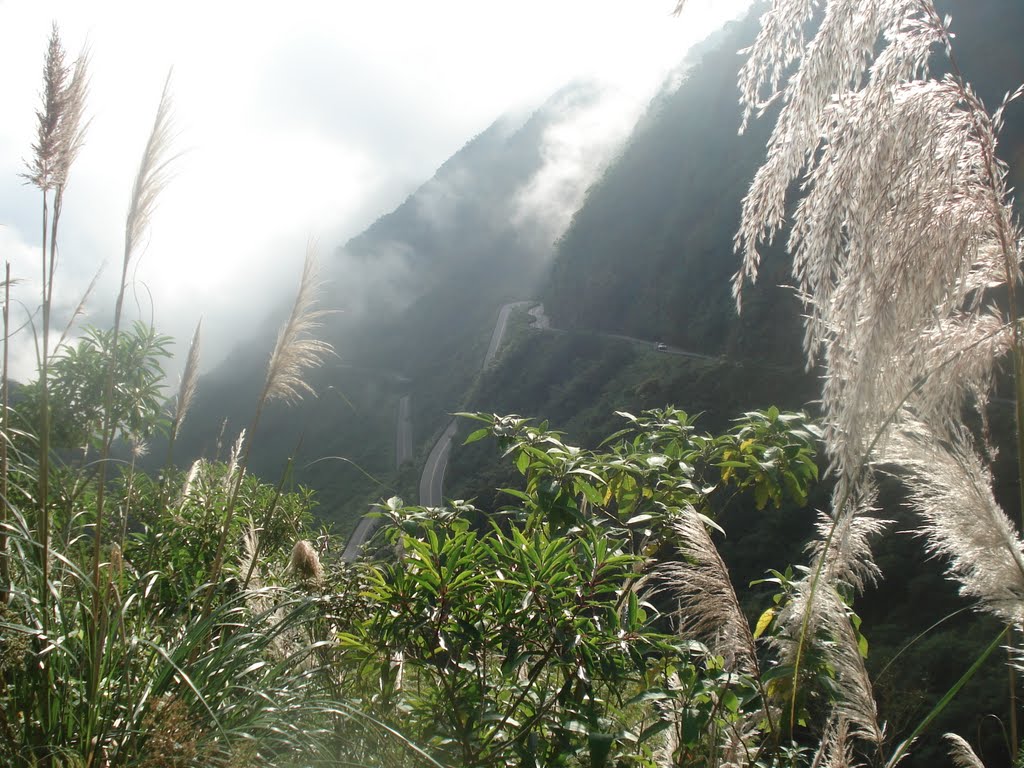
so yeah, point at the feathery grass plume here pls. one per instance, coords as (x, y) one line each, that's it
(231, 477)
(894, 240)
(151, 178)
(843, 545)
(708, 607)
(59, 136)
(741, 741)
(305, 563)
(855, 703)
(951, 489)
(835, 750)
(296, 351)
(247, 559)
(190, 480)
(189, 380)
(817, 617)
(78, 312)
(816, 614)
(960, 752)
(60, 131)
(903, 229)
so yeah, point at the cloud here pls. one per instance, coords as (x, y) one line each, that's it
(306, 122)
(576, 148)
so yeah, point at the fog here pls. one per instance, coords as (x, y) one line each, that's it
(302, 122)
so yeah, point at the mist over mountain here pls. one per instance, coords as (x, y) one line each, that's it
(625, 230)
(415, 294)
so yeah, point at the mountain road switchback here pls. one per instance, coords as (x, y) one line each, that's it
(431, 488)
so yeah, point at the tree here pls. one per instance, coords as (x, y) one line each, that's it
(906, 254)
(591, 618)
(76, 380)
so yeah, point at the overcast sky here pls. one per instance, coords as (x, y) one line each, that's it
(296, 120)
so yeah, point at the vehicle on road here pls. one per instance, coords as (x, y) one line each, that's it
(661, 347)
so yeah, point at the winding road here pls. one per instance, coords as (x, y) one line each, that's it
(432, 479)
(403, 453)
(431, 488)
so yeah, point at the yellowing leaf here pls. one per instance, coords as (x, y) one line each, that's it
(763, 622)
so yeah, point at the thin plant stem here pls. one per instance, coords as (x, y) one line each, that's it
(268, 514)
(5, 568)
(44, 427)
(229, 513)
(984, 128)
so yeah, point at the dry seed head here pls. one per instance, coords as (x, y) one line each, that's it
(60, 131)
(903, 218)
(951, 489)
(296, 351)
(961, 753)
(233, 459)
(708, 607)
(152, 176)
(305, 563)
(189, 378)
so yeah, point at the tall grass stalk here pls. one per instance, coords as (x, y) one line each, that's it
(150, 179)
(59, 137)
(5, 433)
(903, 230)
(295, 352)
(186, 391)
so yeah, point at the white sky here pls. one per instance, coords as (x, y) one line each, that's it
(297, 120)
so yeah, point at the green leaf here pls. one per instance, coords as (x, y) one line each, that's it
(762, 491)
(590, 492)
(638, 519)
(479, 434)
(653, 730)
(523, 462)
(731, 701)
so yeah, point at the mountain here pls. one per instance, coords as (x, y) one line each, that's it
(415, 298)
(640, 244)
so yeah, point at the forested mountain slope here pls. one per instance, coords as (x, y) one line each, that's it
(415, 297)
(650, 253)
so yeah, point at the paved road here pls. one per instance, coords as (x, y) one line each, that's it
(360, 535)
(403, 440)
(500, 327)
(403, 453)
(543, 322)
(432, 479)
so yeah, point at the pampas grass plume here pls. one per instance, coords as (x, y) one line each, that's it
(296, 351)
(961, 753)
(189, 379)
(60, 132)
(305, 563)
(152, 176)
